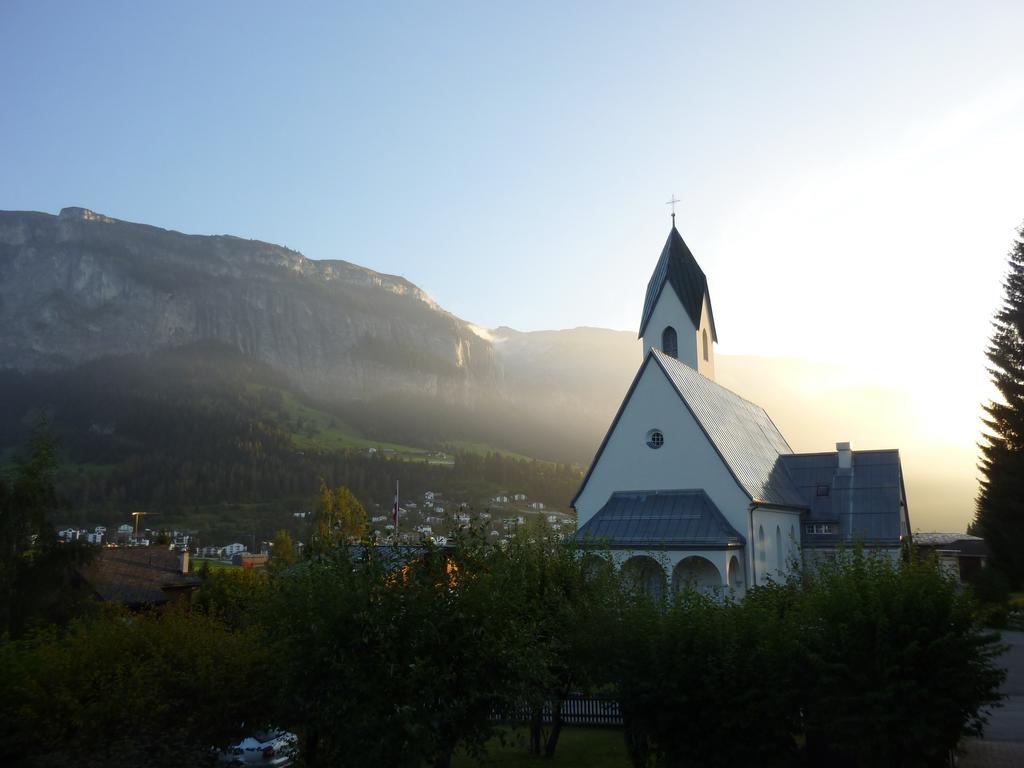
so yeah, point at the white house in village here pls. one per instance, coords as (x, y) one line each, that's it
(692, 483)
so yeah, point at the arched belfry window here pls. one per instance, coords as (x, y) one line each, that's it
(705, 338)
(669, 342)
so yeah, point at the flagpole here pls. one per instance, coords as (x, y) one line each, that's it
(397, 509)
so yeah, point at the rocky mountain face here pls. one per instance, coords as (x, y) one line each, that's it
(81, 286)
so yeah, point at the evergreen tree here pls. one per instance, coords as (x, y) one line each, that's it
(35, 570)
(1000, 513)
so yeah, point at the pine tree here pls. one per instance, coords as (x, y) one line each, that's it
(1000, 513)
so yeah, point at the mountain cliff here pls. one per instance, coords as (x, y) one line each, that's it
(80, 286)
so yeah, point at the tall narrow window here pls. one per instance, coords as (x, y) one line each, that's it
(669, 342)
(704, 335)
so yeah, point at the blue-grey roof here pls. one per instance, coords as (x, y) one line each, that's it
(742, 433)
(645, 519)
(863, 503)
(677, 267)
(867, 504)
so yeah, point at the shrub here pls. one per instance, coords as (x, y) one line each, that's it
(156, 689)
(390, 663)
(692, 676)
(896, 667)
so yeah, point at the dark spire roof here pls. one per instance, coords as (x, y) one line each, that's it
(678, 267)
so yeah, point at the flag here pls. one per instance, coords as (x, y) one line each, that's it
(394, 509)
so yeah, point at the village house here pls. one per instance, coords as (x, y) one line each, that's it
(694, 484)
(959, 554)
(140, 576)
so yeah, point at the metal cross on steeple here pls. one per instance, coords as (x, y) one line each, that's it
(673, 202)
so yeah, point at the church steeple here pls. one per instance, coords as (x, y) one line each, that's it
(677, 316)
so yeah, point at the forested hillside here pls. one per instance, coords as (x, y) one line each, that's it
(205, 427)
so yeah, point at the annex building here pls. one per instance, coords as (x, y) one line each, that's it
(693, 483)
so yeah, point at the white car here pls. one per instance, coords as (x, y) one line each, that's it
(262, 748)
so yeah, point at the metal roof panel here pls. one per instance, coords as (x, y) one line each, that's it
(745, 437)
(678, 518)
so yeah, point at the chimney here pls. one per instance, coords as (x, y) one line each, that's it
(845, 455)
(183, 562)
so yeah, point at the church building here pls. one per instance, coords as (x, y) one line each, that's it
(694, 484)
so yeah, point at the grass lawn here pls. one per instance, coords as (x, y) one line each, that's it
(577, 748)
(315, 429)
(214, 565)
(482, 449)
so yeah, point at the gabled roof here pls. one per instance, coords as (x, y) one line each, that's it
(745, 438)
(743, 434)
(137, 575)
(645, 519)
(863, 503)
(678, 268)
(962, 544)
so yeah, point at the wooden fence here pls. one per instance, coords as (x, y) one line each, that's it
(576, 710)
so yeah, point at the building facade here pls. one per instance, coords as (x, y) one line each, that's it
(694, 484)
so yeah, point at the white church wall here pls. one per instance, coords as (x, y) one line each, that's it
(775, 553)
(670, 311)
(705, 367)
(686, 460)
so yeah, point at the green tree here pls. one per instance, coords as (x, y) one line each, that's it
(896, 668)
(351, 515)
(693, 672)
(570, 598)
(36, 571)
(282, 551)
(1000, 513)
(338, 519)
(396, 663)
(236, 596)
(159, 689)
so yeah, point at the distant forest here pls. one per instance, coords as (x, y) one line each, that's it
(191, 429)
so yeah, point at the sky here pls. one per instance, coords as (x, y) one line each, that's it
(849, 175)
